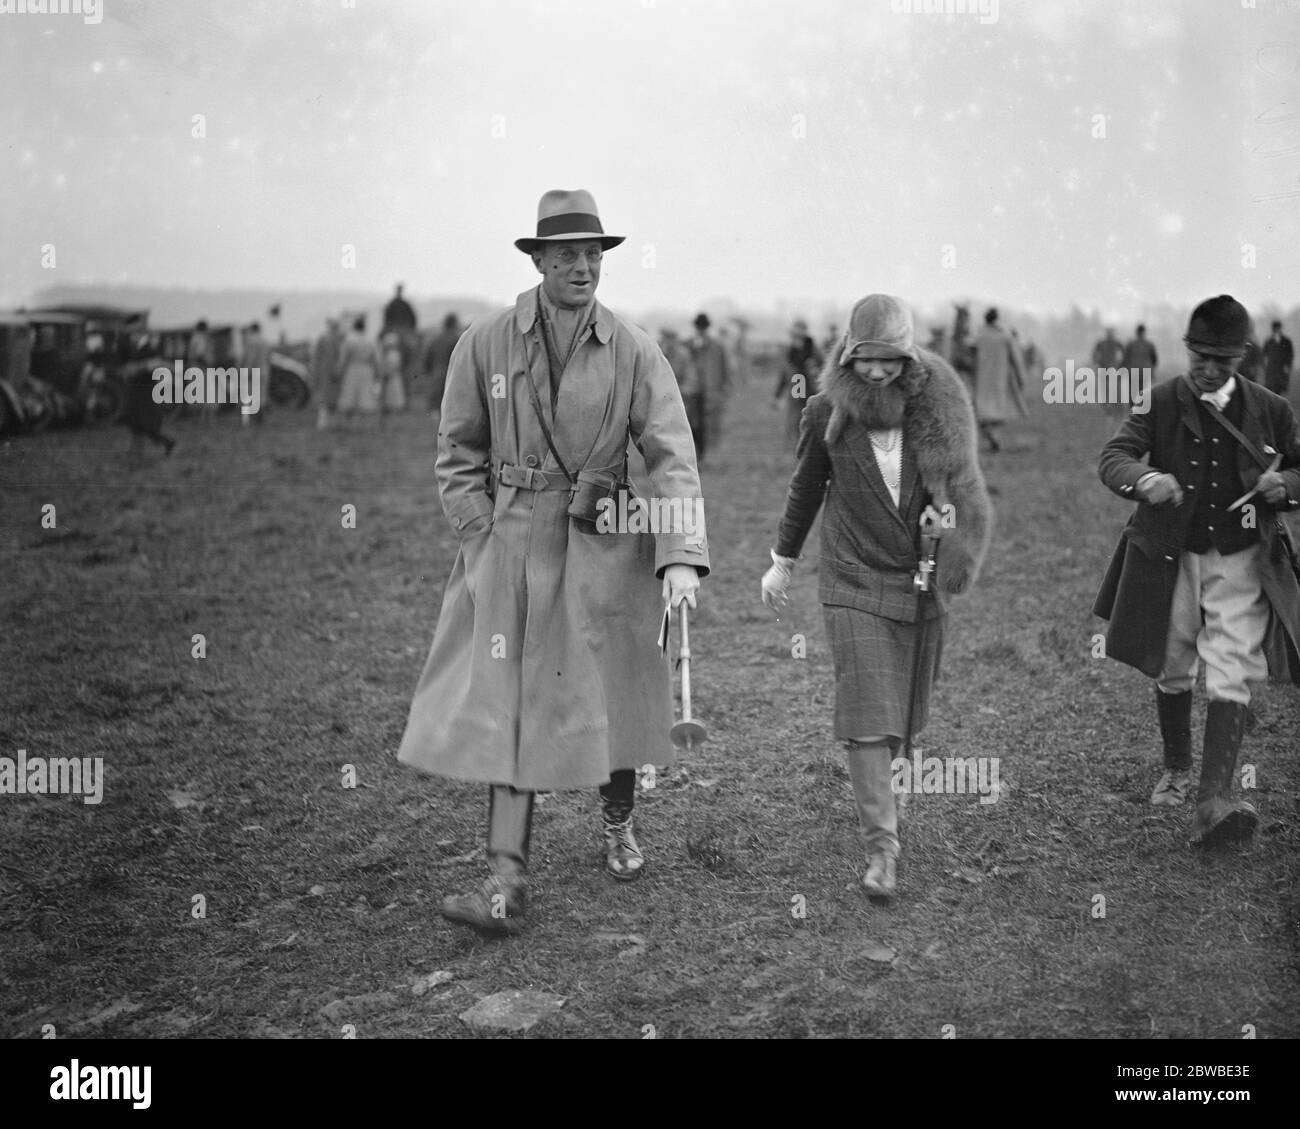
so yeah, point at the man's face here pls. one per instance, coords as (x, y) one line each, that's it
(570, 271)
(1209, 374)
(877, 371)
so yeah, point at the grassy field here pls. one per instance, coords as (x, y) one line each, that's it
(225, 778)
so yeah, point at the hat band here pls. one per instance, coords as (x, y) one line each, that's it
(568, 224)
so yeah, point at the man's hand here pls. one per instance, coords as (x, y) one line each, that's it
(776, 580)
(1161, 489)
(681, 582)
(1272, 487)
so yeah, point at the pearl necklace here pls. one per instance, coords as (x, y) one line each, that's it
(893, 478)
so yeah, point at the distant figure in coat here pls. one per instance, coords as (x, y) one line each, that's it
(399, 313)
(140, 412)
(359, 361)
(796, 378)
(257, 355)
(390, 392)
(1140, 354)
(1279, 355)
(399, 318)
(713, 368)
(1193, 582)
(688, 382)
(437, 357)
(200, 352)
(1108, 353)
(541, 675)
(326, 372)
(999, 379)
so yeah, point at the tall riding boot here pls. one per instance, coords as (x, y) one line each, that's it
(500, 904)
(623, 857)
(877, 813)
(1175, 714)
(1219, 818)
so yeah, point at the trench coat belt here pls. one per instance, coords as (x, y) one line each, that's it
(529, 478)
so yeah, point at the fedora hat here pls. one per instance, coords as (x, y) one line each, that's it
(563, 215)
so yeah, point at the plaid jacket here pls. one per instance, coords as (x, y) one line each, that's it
(870, 548)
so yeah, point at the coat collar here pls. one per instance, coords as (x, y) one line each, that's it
(1187, 403)
(1252, 409)
(602, 321)
(858, 440)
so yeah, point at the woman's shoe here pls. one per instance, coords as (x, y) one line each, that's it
(880, 879)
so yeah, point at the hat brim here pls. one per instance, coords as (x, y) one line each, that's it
(530, 243)
(874, 350)
(1228, 352)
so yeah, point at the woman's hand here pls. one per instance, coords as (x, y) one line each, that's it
(776, 582)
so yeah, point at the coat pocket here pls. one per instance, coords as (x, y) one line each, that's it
(474, 549)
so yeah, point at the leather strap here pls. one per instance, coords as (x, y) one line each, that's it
(1232, 429)
(541, 420)
(528, 478)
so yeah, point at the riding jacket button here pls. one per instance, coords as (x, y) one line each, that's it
(531, 460)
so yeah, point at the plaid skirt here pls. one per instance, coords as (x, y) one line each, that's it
(873, 672)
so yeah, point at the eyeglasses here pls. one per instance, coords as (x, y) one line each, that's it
(567, 256)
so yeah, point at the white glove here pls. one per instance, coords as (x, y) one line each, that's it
(775, 582)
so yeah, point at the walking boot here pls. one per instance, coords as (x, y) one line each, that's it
(1219, 818)
(880, 879)
(623, 857)
(873, 794)
(500, 905)
(1175, 714)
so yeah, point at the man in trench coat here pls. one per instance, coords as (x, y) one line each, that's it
(544, 671)
(1193, 577)
(999, 379)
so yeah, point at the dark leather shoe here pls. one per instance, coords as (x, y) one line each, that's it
(1219, 822)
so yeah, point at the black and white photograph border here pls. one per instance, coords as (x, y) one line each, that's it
(368, 669)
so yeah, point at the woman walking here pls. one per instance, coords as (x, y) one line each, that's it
(360, 364)
(890, 434)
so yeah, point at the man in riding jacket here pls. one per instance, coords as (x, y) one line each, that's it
(1202, 572)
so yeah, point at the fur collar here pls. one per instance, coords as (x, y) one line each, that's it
(939, 429)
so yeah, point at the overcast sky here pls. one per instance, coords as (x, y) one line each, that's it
(762, 150)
